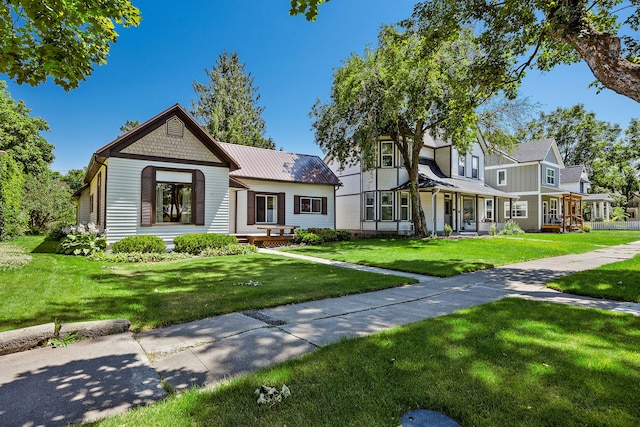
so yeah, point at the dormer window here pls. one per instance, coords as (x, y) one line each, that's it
(475, 167)
(175, 127)
(551, 176)
(461, 165)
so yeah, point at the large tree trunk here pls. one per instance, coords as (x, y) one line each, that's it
(602, 53)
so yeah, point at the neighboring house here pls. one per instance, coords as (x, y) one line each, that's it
(169, 177)
(633, 212)
(576, 180)
(532, 173)
(452, 191)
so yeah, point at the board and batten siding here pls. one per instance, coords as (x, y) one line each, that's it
(124, 199)
(290, 190)
(519, 178)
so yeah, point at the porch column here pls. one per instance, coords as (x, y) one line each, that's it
(608, 211)
(495, 209)
(594, 213)
(477, 216)
(457, 214)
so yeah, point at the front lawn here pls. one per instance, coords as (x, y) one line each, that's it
(447, 257)
(618, 281)
(507, 363)
(65, 288)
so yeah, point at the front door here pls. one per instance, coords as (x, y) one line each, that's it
(545, 212)
(468, 214)
(448, 218)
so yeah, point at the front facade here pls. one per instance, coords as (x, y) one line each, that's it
(452, 191)
(596, 206)
(169, 177)
(532, 175)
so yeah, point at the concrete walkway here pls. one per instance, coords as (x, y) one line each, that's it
(95, 378)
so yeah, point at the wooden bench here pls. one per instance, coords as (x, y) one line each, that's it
(275, 240)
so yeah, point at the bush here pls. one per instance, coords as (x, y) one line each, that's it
(233, 249)
(320, 235)
(197, 242)
(58, 230)
(447, 230)
(493, 229)
(146, 244)
(511, 227)
(586, 228)
(82, 244)
(137, 257)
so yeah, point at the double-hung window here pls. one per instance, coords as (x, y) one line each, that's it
(553, 208)
(310, 205)
(386, 154)
(369, 206)
(502, 177)
(551, 176)
(518, 209)
(266, 208)
(475, 167)
(386, 205)
(404, 206)
(488, 209)
(461, 165)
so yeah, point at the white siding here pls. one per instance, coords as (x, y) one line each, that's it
(84, 208)
(348, 212)
(387, 179)
(290, 190)
(350, 185)
(123, 201)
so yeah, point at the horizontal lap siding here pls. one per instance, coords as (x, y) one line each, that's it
(290, 190)
(123, 201)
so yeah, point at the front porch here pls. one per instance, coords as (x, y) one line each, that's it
(564, 218)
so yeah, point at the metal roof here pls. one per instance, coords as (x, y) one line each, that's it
(430, 176)
(273, 165)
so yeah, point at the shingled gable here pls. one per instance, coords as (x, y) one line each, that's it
(537, 151)
(118, 147)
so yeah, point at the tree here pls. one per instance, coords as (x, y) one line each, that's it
(542, 33)
(403, 89)
(13, 221)
(20, 134)
(59, 39)
(128, 125)
(581, 138)
(74, 178)
(227, 104)
(48, 201)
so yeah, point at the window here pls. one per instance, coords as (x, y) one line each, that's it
(502, 177)
(369, 206)
(551, 176)
(386, 154)
(91, 201)
(518, 209)
(266, 208)
(386, 205)
(461, 165)
(310, 205)
(475, 166)
(404, 206)
(488, 210)
(173, 202)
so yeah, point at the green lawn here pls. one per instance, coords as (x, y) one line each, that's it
(448, 257)
(509, 363)
(618, 281)
(64, 288)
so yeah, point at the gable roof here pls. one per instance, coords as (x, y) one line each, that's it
(532, 151)
(261, 163)
(571, 174)
(113, 148)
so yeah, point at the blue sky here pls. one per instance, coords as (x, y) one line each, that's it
(153, 66)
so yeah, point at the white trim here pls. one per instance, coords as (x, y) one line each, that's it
(504, 184)
(511, 165)
(513, 204)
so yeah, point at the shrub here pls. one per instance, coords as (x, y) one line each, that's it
(511, 227)
(233, 249)
(586, 228)
(493, 229)
(83, 244)
(59, 230)
(447, 230)
(146, 244)
(137, 257)
(197, 242)
(324, 234)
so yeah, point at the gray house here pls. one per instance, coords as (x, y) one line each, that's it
(532, 173)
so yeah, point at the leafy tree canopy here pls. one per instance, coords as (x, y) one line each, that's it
(403, 89)
(227, 104)
(539, 33)
(128, 125)
(20, 134)
(59, 39)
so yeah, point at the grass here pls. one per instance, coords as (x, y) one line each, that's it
(509, 363)
(64, 288)
(448, 257)
(617, 281)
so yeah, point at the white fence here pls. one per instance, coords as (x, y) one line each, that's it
(615, 225)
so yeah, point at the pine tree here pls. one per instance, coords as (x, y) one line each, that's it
(227, 104)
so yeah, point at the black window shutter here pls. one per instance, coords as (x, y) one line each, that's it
(147, 189)
(251, 207)
(199, 187)
(296, 204)
(324, 206)
(281, 206)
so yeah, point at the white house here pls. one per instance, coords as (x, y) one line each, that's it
(169, 177)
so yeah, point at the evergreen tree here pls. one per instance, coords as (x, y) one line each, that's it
(227, 104)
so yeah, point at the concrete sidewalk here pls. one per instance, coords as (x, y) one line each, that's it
(92, 379)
